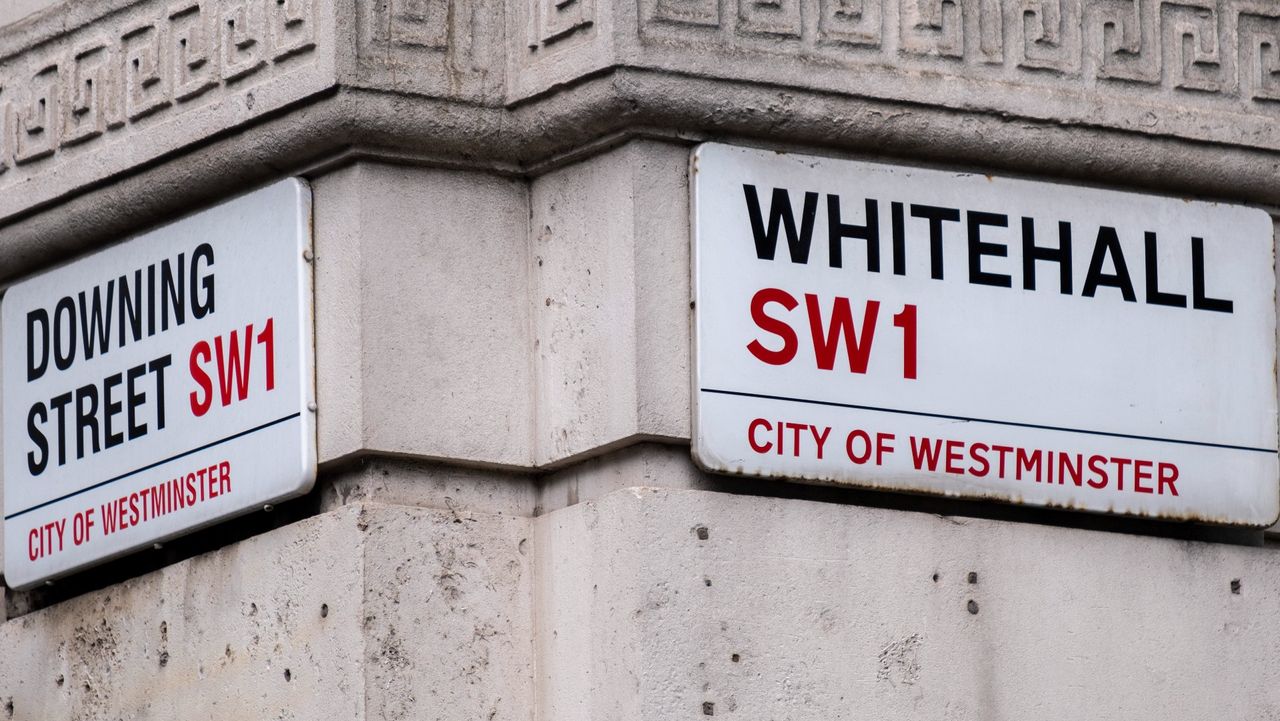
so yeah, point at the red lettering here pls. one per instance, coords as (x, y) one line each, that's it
(233, 367)
(1066, 468)
(1002, 450)
(1139, 475)
(211, 482)
(1120, 465)
(790, 343)
(883, 446)
(954, 456)
(109, 519)
(45, 540)
(200, 407)
(795, 437)
(751, 435)
(268, 339)
(857, 346)
(1166, 474)
(925, 453)
(865, 438)
(978, 452)
(1099, 470)
(906, 320)
(820, 439)
(1028, 462)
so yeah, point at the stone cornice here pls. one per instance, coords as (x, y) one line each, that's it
(189, 99)
(144, 82)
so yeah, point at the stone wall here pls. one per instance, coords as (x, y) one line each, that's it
(508, 524)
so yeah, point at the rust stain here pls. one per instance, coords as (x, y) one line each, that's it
(1073, 505)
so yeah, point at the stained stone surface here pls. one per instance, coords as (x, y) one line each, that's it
(509, 525)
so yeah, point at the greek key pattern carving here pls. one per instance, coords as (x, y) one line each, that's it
(851, 22)
(555, 20)
(102, 79)
(1206, 50)
(440, 48)
(415, 24)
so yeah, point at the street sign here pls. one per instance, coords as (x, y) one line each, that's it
(982, 337)
(158, 386)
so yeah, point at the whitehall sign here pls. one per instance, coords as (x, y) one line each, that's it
(158, 386)
(981, 337)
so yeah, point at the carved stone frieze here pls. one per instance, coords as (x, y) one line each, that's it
(1196, 50)
(1206, 70)
(147, 80)
(439, 48)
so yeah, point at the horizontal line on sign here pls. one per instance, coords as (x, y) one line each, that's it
(136, 471)
(1016, 424)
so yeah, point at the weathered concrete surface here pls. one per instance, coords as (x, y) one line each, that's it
(460, 491)
(655, 603)
(422, 315)
(93, 94)
(447, 627)
(15, 10)
(365, 612)
(649, 464)
(610, 286)
(478, 318)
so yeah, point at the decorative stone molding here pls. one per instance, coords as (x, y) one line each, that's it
(1182, 94)
(437, 48)
(1167, 67)
(171, 73)
(1227, 48)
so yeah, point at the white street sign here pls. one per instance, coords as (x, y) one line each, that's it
(982, 337)
(158, 386)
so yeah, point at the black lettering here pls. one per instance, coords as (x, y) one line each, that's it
(780, 213)
(157, 366)
(1032, 252)
(838, 231)
(87, 418)
(936, 216)
(131, 307)
(1154, 295)
(200, 307)
(40, 317)
(151, 300)
(36, 467)
(111, 408)
(978, 248)
(1200, 300)
(1108, 243)
(59, 403)
(65, 308)
(95, 324)
(172, 292)
(898, 223)
(135, 399)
